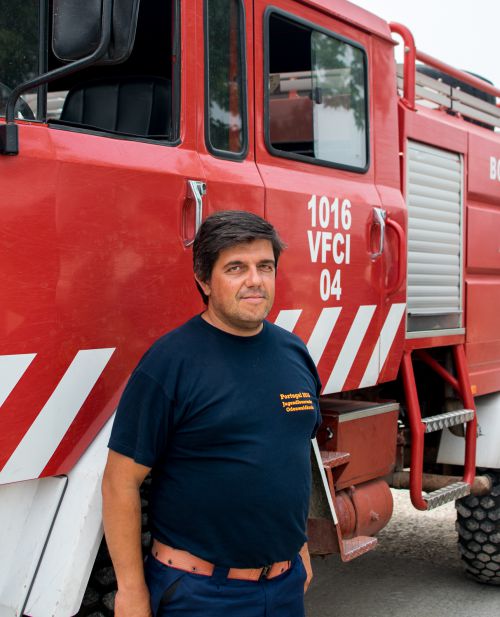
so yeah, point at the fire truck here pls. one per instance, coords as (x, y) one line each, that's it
(124, 124)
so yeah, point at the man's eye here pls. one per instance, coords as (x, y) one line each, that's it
(267, 268)
(234, 269)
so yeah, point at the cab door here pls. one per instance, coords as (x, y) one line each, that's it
(314, 153)
(95, 257)
(226, 104)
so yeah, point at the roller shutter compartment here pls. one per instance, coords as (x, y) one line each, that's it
(434, 196)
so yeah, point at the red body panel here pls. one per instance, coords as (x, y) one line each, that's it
(290, 186)
(92, 257)
(103, 264)
(483, 262)
(479, 148)
(92, 252)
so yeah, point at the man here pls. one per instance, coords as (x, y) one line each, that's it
(221, 410)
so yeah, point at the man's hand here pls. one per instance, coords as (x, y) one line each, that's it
(306, 560)
(132, 604)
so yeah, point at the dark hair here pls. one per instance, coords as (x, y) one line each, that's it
(224, 229)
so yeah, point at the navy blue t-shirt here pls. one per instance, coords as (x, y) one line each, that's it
(225, 422)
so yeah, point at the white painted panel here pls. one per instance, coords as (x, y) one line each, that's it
(452, 448)
(324, 479)
(63, 574)
(27, 512)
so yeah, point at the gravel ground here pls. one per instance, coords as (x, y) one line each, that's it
(430, 536)
(414, 572)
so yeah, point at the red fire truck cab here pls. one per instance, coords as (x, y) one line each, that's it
(124, 125)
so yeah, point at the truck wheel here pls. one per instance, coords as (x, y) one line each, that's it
(98, 600)
(478, 526)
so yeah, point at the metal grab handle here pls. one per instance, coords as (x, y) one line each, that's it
(379, 216)
(401, 255)
(197, 189)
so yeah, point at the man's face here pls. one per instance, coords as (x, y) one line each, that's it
(241, 288)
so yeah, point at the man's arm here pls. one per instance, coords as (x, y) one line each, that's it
(122, 527)
(306, 560)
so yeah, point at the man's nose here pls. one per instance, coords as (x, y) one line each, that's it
(254, 277)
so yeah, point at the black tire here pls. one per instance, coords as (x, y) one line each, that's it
(478, 527)
(99, 597)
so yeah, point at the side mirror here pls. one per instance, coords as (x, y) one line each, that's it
(84, 33)
(77, 29)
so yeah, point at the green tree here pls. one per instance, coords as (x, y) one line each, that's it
(339, 73)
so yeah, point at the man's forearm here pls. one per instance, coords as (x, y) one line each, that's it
(122, 527)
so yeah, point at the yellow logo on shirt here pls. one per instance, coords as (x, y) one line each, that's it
(298, 401)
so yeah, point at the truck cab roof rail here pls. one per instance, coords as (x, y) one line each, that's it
(445, 92)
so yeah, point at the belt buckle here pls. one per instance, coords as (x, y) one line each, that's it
(265, 571)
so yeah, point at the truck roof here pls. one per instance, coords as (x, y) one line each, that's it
(353, 14)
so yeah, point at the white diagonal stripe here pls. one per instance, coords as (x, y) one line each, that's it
(288, 319)
(383, 346)
(12, 368)
(44, 435)
(373, 368)
(349, 349)
(322, 332)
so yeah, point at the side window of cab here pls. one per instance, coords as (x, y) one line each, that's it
(20, 57)
(316, 95)
(136, 99)
(225, 102)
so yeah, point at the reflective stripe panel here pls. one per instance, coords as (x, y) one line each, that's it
(322, 332)
(12, 368)
(288, 319)
(45, 434)
(349, 349)
(383, 346)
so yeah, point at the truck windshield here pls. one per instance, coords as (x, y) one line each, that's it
(19, 49)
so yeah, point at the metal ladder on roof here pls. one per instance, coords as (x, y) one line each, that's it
(419, 427)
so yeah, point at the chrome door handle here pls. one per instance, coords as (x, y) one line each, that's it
(197, 189)
(379, 217)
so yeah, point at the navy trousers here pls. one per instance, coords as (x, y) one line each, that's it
(175, 593)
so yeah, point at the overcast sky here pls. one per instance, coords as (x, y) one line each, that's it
(463, 33)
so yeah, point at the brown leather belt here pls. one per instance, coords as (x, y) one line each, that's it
(182, 560)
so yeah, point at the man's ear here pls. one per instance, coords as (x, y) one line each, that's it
(204, 286)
